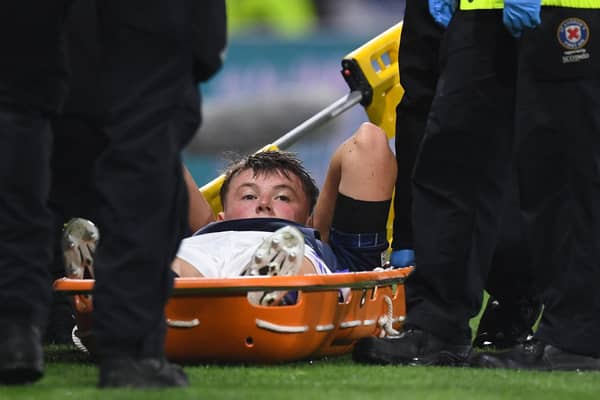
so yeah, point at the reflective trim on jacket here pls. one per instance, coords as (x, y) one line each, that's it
(481, 4)
(498, 4)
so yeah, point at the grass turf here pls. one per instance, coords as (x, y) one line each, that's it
(70, 376)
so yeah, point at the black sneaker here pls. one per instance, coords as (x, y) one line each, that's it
(140, 373)
(535, 355)
(21, 354)
(505, 325)
(410, 347)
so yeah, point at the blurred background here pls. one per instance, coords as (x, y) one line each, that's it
(282, 66)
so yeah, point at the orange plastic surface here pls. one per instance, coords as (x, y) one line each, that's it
(211, 320)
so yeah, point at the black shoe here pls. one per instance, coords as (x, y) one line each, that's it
(411, 347)
(535, 355)
(504, 325)
(140, 373)
(21, 353)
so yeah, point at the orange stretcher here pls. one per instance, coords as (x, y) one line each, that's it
(211, 320)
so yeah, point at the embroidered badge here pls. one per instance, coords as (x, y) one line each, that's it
(573, 34)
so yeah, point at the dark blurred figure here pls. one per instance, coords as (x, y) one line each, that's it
(501, 80)
(144, 92)
(558, 159)
(78, 142)
(512, 309)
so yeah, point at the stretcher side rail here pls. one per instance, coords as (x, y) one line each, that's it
(308, 283)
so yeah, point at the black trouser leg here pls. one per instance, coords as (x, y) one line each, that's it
(510, 279)
(419, 69)
(146, 60)
(32, 86)
(558, 127)
(461, 174)
(25, 223)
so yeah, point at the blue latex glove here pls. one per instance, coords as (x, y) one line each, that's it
(402, 258)
(521, 14)
(442, 11)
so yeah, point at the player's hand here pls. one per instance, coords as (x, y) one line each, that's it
(402, 258)
(442, 11)
(521, 14)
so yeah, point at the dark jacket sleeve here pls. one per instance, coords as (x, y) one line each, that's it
(210, 37)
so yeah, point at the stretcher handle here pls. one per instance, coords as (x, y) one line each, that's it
(373, 69)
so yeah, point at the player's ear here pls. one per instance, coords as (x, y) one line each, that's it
(309, 221)
(220, 216)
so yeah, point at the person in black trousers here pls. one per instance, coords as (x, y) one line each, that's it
(512, 309)
(490, 87)
(557, 122)
(78, 142)
(144, 75)
(461, 173)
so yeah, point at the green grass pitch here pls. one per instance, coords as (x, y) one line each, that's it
(70, 375)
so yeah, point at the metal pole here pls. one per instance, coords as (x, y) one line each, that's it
(323, 116)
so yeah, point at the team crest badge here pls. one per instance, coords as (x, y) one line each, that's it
(573, 33)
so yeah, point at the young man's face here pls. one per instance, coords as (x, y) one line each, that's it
(272, 195)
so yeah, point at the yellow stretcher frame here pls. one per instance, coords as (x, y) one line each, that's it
(212, 320)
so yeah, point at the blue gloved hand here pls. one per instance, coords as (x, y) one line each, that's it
(442, 11)
(521, 14)
(402, 258)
